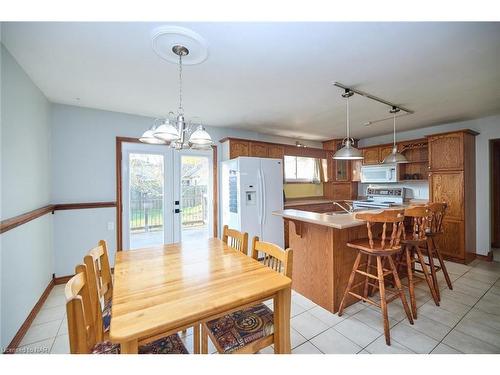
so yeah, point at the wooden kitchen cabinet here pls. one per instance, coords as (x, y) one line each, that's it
(237, 147)
(371, 155)
(452, 179)
(276, 151)
(258, 150)
(385, 151)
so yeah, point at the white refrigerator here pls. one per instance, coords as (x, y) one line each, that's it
(251, 189)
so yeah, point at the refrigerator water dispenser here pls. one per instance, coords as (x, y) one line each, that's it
(251, 198)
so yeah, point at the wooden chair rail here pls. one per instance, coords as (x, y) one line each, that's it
(14, 222)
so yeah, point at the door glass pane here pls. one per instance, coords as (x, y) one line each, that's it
(146, 200)
(194, 197)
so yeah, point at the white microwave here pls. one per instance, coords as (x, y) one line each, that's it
(382, 173)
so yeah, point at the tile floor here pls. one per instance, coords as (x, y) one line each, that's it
(468, 321)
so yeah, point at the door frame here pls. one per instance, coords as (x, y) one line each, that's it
(119, 198)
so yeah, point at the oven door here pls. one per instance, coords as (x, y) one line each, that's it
(379, 173)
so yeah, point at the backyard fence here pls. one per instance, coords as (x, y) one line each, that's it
(146, 213)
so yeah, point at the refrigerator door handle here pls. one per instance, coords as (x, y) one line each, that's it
(259, 177)
(264, 198)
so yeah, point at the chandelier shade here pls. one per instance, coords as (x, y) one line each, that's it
(395, 156)
(167, 132)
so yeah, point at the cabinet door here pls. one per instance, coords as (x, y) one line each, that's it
(371, 155)
(238, 148)
(258, 150)
(341, 172)
(448, 187)
(343, 191)
(384, 151)
(451, 242)
(446, 152)
(276, 151)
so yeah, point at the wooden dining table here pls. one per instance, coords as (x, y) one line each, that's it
(165, 289)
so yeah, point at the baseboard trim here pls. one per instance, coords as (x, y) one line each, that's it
(62, 279)
(11, 349)
(486, 258)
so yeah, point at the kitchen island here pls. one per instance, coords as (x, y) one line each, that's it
(322, 262)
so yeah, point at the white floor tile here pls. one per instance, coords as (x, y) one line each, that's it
(373, 319)
(50, 314)
(61, 345)
(462, 298)
(468, 344)
(55, 299)
(463, 287)
(489, 305)
(306, 348)
(413, 339)
(308, 325)
(332, 342)
(354, 308)
(457, 268)
(303, 301)
(41, 332)
(380, 347)
(444, 349)
(39, 347)
(430, 310)
(296, 309)
(63, 328)
(357, 332)
(296, 338)
(429, 327)
(452, 306)
(326, 316)
(267, 350)
(482, 317)
(483, 276)
(474, 328)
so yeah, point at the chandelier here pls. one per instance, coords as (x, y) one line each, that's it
(174, 130)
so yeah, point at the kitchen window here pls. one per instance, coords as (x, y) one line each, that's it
(300, 169)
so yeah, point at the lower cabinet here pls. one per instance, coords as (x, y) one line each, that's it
(452, 242)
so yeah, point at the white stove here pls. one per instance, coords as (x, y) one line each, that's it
(381, 197)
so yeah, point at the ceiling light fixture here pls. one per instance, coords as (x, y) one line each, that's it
(348, 151)
(174, 130)
(394, 156)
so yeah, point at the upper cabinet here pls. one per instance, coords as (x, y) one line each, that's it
(440, 156)
(258, 150)
(237, 147)
(276, 151)
(371, 155)
(385, 151)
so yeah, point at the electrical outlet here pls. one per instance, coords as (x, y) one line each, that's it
(111, 225)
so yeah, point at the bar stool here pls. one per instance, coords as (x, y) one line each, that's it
(414, 241)
(382, 252)
(434, 230)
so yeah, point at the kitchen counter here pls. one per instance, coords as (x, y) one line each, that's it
(306, 202)
(335, 220)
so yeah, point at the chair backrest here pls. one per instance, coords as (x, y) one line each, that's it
(81, 324)
(394, 217)
(419, 216)
(235, 239)
(97, 259)
(437, 211)
(275, 257)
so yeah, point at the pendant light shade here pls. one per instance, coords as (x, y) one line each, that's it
(348, 151)
(200, 137)
(394, 157)
(167, 132)
(149, 137)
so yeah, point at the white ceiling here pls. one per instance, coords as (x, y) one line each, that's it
(273, 78)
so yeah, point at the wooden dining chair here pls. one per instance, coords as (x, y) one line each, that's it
(381, 250)
(437, 211)
(100, 282)
(251, 329)
(235, 239)
(413, 242)
(82, 330)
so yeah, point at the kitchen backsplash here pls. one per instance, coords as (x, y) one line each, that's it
(303, 190)
(414, 190)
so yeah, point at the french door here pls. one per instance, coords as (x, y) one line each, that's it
(166, 195)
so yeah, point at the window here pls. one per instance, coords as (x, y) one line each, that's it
(302, 169)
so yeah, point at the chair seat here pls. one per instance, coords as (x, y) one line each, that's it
(106, 315)
(363, 245)
(166, 345)
(240, 328)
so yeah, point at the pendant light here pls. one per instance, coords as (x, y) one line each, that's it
(348, 151)
(394, 157)
(149, 135)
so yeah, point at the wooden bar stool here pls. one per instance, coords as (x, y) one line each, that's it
(382, 252)
(414, 240)
(434, 231)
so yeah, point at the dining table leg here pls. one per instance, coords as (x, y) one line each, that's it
(196, 339)
(282, 301)
(129, 347)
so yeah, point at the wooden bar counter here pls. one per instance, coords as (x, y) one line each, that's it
(322, 261)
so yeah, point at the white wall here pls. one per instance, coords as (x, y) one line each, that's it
(83, 170)
(27, 255)
(489, 128)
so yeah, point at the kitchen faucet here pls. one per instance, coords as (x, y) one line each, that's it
(350, 210)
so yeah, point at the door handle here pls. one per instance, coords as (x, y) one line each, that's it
(177, 210)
